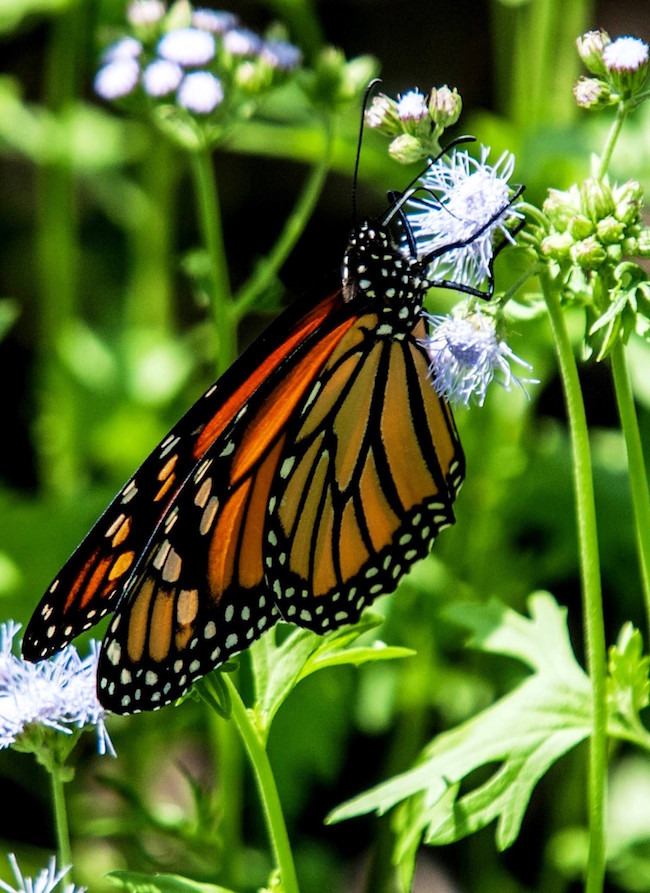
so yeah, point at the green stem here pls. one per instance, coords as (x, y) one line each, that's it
(293, 228)
(267, 788)
(591, 584)
(212, 233)
(636, 465)
(64, 850)
(612, 136)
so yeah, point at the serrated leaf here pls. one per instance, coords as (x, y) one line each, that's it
(139, 882)
(523, 734)
(279, 667)
(629, 686)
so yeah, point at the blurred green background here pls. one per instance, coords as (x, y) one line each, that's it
(107, 339)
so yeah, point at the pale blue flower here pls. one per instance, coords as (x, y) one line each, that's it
(466, 355)
(200, 92)
(187, 46)
(59, 693)
(412, 106)
(161, 77)
(242, 42)
(145, 12)
(216, 20)
(47, 880)
(117, 78)
(469, 202)
(281, 54)
(625, 54)
(125, 48)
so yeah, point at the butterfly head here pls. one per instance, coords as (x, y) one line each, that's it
(376, 272)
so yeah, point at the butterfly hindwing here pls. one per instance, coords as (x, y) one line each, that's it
(371, 469)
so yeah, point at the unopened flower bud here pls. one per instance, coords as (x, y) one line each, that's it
(643, 243)
(610, 230)
(560, 207)
(590, 48)
(592, 93)
(445, 106)
(627, 202)
(557, 246)
(596, 198)
(580, 227)
(588, 253)
(382, 115)
(407, 149)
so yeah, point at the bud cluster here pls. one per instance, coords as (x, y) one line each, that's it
(619, 69)
(200, 61)
(594, 224)
(414, 122)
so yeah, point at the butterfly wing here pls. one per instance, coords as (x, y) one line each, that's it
(96, 575)
(368, 477)
(199, 593)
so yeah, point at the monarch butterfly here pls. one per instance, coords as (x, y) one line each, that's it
(301, 486)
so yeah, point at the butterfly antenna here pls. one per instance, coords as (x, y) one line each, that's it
(355, 179)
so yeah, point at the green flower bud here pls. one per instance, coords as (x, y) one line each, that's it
(590, 49)
(596, 198)
(610, 230)
(591, 93)
(382, 115)
(560, 207)
(407, 149)
(580, 227)
(615, 253)
(445, 106)
(627, 202)
(588, 254)
(556, 246)
(643, 243)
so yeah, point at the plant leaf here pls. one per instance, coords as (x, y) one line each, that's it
(521, 735)
(139, 882)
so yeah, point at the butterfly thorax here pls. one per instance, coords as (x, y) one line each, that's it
(376, 272)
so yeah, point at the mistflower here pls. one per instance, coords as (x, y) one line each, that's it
(412, 106)
(217, 21)
(242, 42)
(200, 92)
(47, 880)
(281, 54)
(145, 12)
(470, 202)
(161, 77)
(625, 54)
(116, 79)
(466, 355)
(187, 46)
(59, 693)
(126, 48)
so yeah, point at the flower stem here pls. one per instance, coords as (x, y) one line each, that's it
(636, 465)
(591, 583)
(264, 274)
(267, 788)
(64, 850)
(612, 136)
(212, 233)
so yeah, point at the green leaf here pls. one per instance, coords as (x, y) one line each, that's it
(278, 668)
(628, 684)
(139, 882)
(520, 736)
(9, 311)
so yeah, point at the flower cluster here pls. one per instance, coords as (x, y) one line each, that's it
(58, 693)
(414, 122)
(47, 880)
(619, 69)
(195, 59)
(466, 354)
(461, 209)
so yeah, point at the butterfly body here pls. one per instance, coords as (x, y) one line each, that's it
(301, 486)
